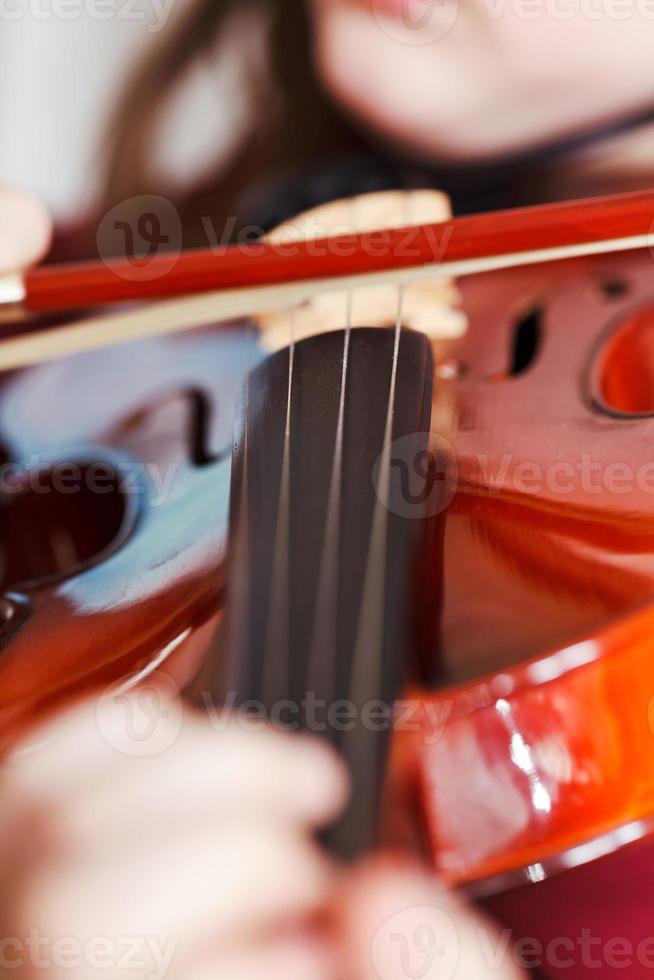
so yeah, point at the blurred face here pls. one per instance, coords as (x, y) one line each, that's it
(472, 79)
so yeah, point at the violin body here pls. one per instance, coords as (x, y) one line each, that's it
(116, 495)
(530, 745)
(534, 761)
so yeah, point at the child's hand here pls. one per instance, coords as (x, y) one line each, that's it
(25, 230)
(400, 923)
(192, 856)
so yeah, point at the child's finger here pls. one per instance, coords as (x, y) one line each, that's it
(25, 229)
(398, 923)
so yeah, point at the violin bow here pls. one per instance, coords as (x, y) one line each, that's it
(206, 286)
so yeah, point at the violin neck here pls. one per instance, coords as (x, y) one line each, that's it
(324, 545)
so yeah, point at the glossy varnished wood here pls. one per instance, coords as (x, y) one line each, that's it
(540, 736)
(160, 414)
(259, 264)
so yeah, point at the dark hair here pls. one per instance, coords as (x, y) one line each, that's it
(295, 122)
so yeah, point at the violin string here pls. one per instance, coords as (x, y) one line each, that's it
(367, 661)
(276, 674)
(324, 639)
(239, 575)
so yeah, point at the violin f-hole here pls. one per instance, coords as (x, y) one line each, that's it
(14, 609)
(526, 341)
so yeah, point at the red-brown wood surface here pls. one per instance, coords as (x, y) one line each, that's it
(105, 583)
(472, 237)
(540, 738)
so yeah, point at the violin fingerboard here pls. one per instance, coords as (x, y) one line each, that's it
(325, 540)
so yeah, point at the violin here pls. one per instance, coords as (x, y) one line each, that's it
(456, 526)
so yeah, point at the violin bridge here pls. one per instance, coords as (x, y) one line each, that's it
(428, 306)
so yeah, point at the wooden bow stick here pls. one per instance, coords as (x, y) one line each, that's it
(239, 281)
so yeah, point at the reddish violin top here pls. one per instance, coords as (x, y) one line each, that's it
(547, 571)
